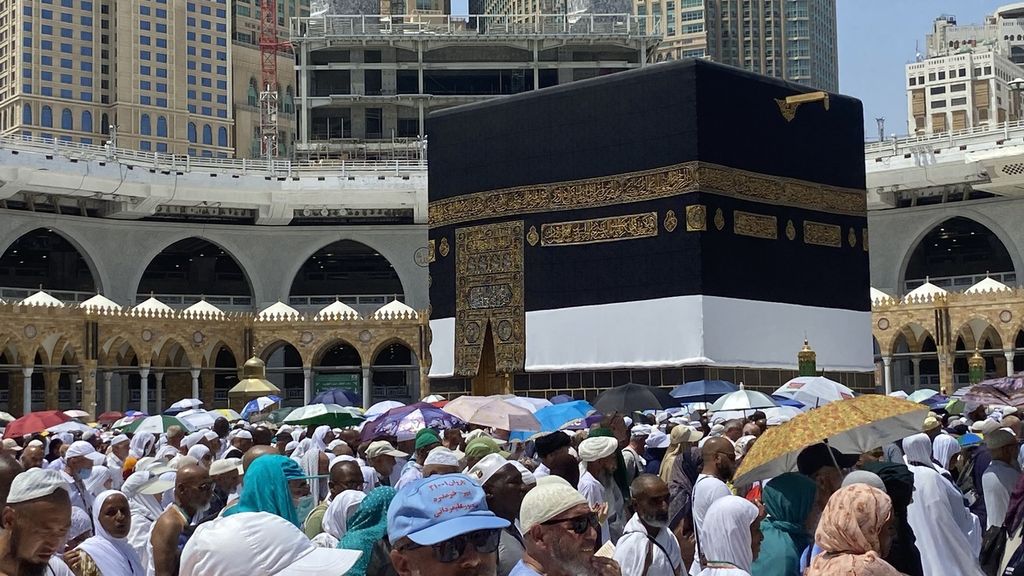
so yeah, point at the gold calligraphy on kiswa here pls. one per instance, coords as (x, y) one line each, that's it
(821, 234)
(600, 230)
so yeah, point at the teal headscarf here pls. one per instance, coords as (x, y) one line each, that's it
(266, 488)
(788, 500)
(368, 526)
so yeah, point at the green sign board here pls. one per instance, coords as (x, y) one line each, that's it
(350, 381)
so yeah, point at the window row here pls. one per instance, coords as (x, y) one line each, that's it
(222, 135)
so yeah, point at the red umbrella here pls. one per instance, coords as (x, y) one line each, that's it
(34, 422)
(110, 417)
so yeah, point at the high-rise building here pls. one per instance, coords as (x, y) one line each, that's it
(791, 39)
(168, 76)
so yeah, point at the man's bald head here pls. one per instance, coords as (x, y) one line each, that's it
(719, 458)
(32, 456)
(644, 483)
(255, 452)
(9, 468)
(650, 500)
(343, 449)
(193, 488)
(346, 475)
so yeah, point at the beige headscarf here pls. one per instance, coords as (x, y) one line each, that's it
(848, 532)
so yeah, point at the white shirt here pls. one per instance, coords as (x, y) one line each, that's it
(412, 473)
(998, 482)
(593, 491)
(541, 471)
(80, 497)
(706, 490)
(396, 473)
(57, 567)
(631, 551)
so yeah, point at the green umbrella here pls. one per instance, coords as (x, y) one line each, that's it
(155, 425)
(331, 415)
(278, 416)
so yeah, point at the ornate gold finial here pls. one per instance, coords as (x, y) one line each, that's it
(976, 367)
(807, 360)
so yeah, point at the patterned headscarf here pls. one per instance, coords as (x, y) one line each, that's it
(368, 526)
(849, 533)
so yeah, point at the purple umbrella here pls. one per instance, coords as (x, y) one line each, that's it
(338, 396)
(562, 399)
(407, 420)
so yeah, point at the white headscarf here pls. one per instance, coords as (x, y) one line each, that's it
(918, 449)
(943, 448)
(941, 524)
(341, 509)
(318, 437)
(725, 536)
(95, 482)
(141, 444)
(310, 464)
(111, 555)
(199, 451)
(300, 451)
(167, 453)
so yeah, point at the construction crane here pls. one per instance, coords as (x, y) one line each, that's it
(270, 47)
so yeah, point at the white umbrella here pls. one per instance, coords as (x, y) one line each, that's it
(197, 418)
(375, 411)
(775, 416)
(186, 404)
(743, 399)
(899, 394)
(814, 391)
(329, 414)
(531, 404)
(6, 417)
(493, 412)
(71, 426)
(76, 413)
(433, 398)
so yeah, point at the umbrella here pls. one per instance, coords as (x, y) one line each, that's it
(814, 391)
(71, 426)
(156, 425)
(899, 394)
(108, 417)
(381, 407)
(783, 401)
(1007, 391)
(125, 421)
(259, 405)
(935, 402)
(6, 417)
(134, 413)
(197, 418)
(228, 413)
(702, 390)
(184, 404)
(553, 417)
(961, 392)
(851, 426)
(76, 413)
(922, 395)
(630, 398)
(774, 416)
(278, 416)
(325, 414)
(531, 404)
(743, 399)
(432, 398)
(493, 412)
(562, 399)
(404, 422)
(338, 396)
(34, 422)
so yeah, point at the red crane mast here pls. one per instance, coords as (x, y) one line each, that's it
(270, 47)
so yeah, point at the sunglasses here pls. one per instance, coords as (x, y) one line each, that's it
(485, 542)
(579, 524)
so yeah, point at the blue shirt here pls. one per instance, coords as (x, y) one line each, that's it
(521, 569)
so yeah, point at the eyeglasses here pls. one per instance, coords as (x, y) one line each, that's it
(485, 542)
(580, 524)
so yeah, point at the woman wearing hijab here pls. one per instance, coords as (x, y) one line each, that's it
(854, 534)
(944, 449)
(145, 509)
(788, 501)
(99, 481)
(108, 553)
(335, 522)
(680, 506)
(142, 445)
(899, 486)
(277, 485)
(367, 532)
(202, 455)
(731, 537)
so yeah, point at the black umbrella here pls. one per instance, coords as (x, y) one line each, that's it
(630, 398)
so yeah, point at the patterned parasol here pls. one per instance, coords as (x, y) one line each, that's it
(1007, 391)
(852, 426)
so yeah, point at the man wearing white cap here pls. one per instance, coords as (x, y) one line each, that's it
(118, 451)
(440, 460)
(35, 521)
(560, 533)
(646, 547)
(504, 489)
(632, 455)
(386, 460)
(240, 444)
(11, 448)
(598, 457)
(259, 543)
(78, 463)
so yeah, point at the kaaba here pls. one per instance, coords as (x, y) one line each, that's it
(682, 221)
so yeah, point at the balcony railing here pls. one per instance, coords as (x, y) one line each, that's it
(993, 129)
(9, 294)
(413, 157)
(961, 283)
(497, 26)
(179, 301)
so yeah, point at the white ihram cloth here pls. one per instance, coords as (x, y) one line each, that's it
(592, 489)
(111, 555)
(145, 511)
(335, 523)
(997, 483)
(631, 551)
(941, 525)
(727, 532)
(706, 490)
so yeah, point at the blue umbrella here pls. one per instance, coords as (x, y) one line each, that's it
(703, 390)
(257, 405)
(562, 399)
(338, 396)
(553, 417)
(784, 401)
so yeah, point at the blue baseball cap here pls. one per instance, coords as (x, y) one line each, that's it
(438, 508)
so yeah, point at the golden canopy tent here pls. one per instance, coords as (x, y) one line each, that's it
(253, 384)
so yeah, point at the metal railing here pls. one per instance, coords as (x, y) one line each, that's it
(321, 300)
(186, 300)
(895, 144)
(362, 25)
(961, 283)
(415, 159)
(10, 294)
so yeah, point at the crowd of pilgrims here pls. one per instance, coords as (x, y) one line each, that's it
(652, 496)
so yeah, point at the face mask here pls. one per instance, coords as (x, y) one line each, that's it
(84, 473)
(303, 506)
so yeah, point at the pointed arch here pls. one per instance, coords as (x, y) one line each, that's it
(25, 263)
(197, 266)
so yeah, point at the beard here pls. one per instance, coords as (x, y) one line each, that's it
(570, 558)
(658, 521)
(26, 567)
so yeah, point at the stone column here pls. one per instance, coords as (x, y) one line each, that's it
(887, 361)
(159, 391)
(144, 388)
(917, 372)
(88, 375)
(26, 391)
(14, 393)
(107, 401)
(946, 371)
(307, 384)
(367, 387)
(1009, 354)
(50, 380)
(194, 372)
